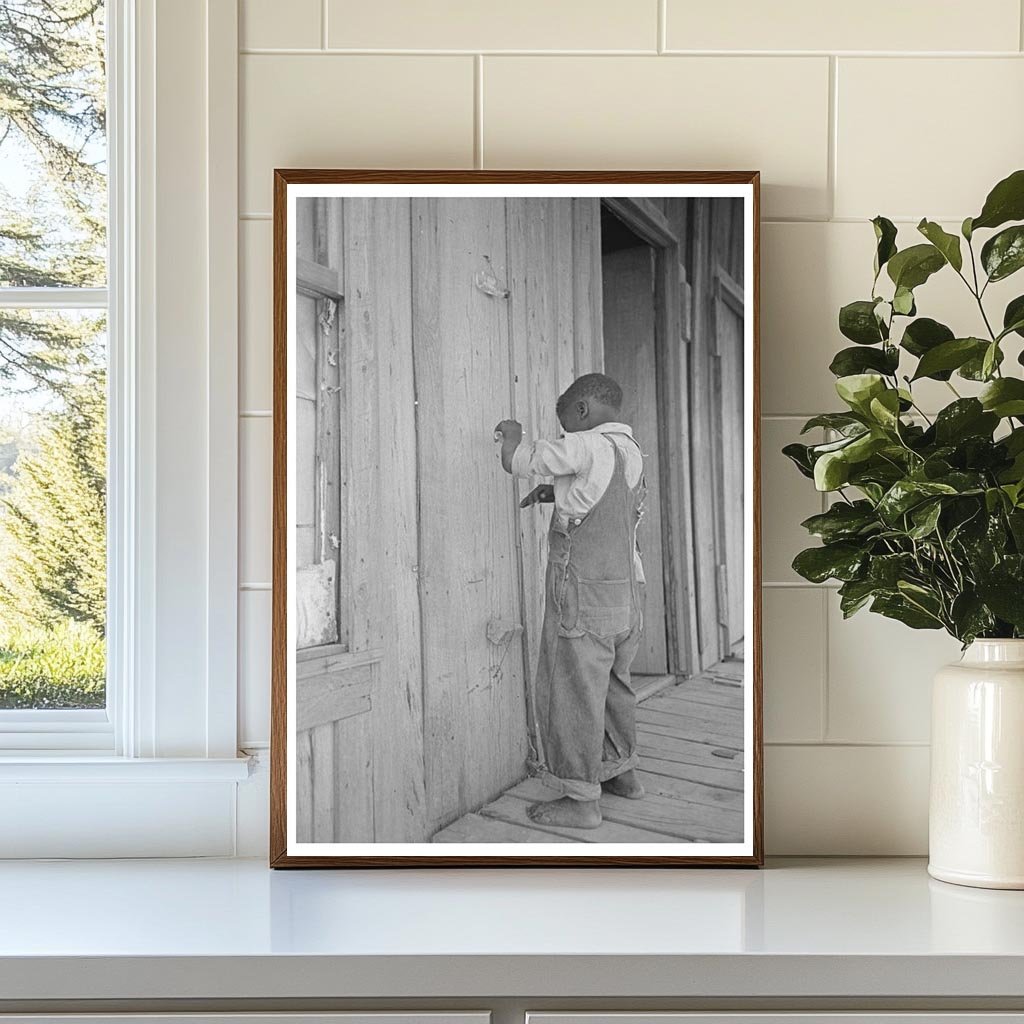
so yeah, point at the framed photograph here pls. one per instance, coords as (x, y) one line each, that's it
(516, 613)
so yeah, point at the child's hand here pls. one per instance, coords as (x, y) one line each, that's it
(545, 493)
(511, 431)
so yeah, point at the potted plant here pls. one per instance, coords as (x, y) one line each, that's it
(926, 521)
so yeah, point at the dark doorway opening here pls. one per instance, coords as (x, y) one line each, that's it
(628, 266)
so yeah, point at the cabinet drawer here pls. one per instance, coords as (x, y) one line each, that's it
(357, 1017)
(852, 1017)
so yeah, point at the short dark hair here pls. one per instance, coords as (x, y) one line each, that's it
(591, 385)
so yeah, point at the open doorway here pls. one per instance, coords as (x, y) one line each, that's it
(629, 267)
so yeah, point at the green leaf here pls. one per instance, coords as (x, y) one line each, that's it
(831, 471)
(885, 237)
(925, 518)
(885, 409)
(1005, 596)
(799, 455)
(1003, 254)
(899, 608)
(854, 595)
(857, 321)
(974, 368)
(947, 244)
(843, 521)
(923, 335)
(841, 421)
(903, 302)
(949, 355)
(990, 360)
(906, 494)
(1004, 397)
(965, 229)
(971, 617)
(840, 561)
(854, 360)
(1013, 317)
(1005, 202)
(912, 267)
(858, 389)
(966, 417)
(887, 570)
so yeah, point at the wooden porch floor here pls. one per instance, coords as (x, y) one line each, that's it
(691, 764)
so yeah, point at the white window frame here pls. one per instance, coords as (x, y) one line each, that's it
(69, 729)
(172, 512)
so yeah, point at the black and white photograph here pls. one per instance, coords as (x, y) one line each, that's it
(514, 543)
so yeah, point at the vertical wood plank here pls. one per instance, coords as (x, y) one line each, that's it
(562, 281)
(304, 787)
(676, 406)
(305, 234)
(352, 781)
(362, 410)
(323, 773)
(587, 285)
(398, 779)
(474, 705)
(703, 441)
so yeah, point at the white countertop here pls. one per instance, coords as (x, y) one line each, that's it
(234, 929)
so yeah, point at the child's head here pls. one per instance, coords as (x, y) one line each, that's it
(589, 401)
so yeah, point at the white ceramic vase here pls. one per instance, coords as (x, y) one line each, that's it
(976, 815)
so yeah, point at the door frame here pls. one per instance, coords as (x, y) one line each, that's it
(727, 292)
(649, 224)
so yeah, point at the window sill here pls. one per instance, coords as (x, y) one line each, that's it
(74, 766)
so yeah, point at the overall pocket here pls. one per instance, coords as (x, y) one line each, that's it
(605, 607)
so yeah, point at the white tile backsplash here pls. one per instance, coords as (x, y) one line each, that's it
(846, 714)
(962, 130)
(697, 113)
(879, 677)
(470, 25)
(331, 110)
(787, 499)
(877, 25)
(260, 24)
(794, 663)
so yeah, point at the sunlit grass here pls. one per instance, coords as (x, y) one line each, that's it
(60, 667)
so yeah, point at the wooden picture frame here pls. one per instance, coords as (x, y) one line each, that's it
(370, 291)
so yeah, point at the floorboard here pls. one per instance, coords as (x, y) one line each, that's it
(690, 740)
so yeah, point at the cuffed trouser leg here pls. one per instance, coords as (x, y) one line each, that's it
(585, 708)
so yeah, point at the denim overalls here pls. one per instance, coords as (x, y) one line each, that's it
(585, 708)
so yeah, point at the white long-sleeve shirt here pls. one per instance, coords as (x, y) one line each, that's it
(581, 465)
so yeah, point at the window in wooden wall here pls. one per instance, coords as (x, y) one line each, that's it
(319, 468)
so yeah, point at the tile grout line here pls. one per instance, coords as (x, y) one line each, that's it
(662, 26)
(1020, 25)
(824, 723)
(324, 24)
(353, 51)
(478, 111)
(831, 170)
(851, 744)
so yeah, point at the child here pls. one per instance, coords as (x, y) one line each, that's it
(593, 599)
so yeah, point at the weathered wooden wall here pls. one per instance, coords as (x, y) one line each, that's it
(711, 233)
(454, 316)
